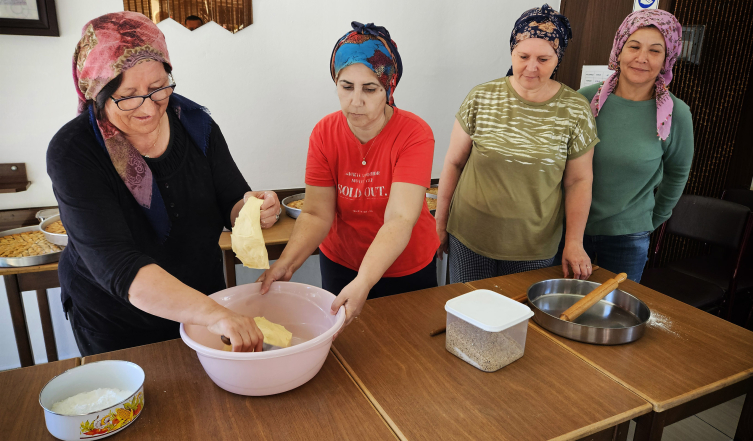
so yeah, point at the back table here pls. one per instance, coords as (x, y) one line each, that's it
(686, 362)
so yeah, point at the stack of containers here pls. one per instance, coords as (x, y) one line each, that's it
(486, 329)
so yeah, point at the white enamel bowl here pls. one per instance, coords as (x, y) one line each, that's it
(115, 374)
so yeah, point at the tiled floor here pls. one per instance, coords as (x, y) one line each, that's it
(716, 424)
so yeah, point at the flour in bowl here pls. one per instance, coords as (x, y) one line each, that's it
(92, 401)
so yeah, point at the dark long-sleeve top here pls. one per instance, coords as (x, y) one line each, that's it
(110, 238)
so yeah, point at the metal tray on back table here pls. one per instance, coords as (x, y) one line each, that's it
(10, 262)
(618, 318)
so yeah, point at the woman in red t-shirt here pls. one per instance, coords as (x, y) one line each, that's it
(367, 171)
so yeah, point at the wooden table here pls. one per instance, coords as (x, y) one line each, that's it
(686, 362)
(40, 278)
(21, 416)
(426, 393)
(183, 403)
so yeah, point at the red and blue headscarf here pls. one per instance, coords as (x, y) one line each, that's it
(544, 23)
(371, 46)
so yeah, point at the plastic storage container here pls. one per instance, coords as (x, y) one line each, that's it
(486, 329)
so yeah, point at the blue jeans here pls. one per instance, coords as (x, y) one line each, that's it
(627, 253)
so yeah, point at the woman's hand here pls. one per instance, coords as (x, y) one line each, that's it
(353, 297)
(576, 257)
(444, 240)
(241, 330)
(278, 271)
(270, 208)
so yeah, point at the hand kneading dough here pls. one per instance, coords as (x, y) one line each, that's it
(274, 334)
(247, 239)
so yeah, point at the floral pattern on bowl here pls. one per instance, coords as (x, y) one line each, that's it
(114, 420)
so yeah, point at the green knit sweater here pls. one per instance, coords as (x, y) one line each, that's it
(631, 161)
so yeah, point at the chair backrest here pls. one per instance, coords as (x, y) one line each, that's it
(742, 197)
(739, 196)
(709, 220)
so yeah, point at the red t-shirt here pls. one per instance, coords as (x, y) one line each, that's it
(402, 152)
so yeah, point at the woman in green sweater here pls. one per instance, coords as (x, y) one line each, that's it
(646, 143)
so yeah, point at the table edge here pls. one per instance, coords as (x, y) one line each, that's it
(605, 424)
(6, 271)
(703, 391)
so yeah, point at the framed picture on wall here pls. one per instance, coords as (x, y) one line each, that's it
(29, 17)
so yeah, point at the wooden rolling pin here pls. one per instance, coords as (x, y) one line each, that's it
(592, 298)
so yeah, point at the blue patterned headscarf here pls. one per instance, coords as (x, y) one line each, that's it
(371, 46)
(544, 23)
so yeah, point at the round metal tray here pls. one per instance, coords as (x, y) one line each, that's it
(9, 262)
(57, 239)
(616, 319)
(293, 212)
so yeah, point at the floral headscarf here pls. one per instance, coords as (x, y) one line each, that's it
(110, 45)
(544, 23)
(371, 46)
(670, 28)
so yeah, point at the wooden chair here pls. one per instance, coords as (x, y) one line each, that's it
(745, 279)
(708, 282)
(40, 282)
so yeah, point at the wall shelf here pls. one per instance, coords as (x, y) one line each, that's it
(13, 178)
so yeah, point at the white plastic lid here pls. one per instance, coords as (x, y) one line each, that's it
(488, 310)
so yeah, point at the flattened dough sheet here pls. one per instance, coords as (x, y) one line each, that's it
(247, 239)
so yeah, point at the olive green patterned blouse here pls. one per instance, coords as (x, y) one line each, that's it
(509, 204)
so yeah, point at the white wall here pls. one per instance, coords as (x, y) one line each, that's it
(267, 85)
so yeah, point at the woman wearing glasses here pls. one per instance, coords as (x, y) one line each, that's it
(145, 183)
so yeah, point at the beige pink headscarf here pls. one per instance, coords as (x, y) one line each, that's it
(110, 45)
(670, 28)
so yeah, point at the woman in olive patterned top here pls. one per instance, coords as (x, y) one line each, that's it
(517, 143)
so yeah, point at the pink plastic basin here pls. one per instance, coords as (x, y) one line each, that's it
(304, 310)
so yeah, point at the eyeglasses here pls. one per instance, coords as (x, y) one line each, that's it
(134, 102)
